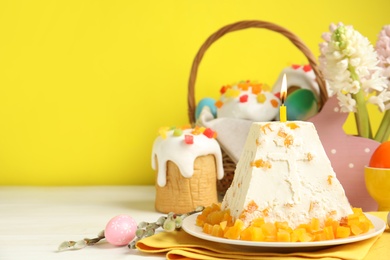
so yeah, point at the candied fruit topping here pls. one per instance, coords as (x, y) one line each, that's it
(243, 98)
(289, 140)
(217, 222)
(188, 139)
(258, 85)
(256, 89)
(282, 133)
(223, 89)
(309, 156)
(251, 207)
(208, 132)
(261, 164)
(243, 85)
(261, 98)
(265, 212)
(185, 127)
(295, 66)
(330, 179)
(232, 93)
(307, 68)
(266, 127)
(218, 104)
(177, 132)
(198, 130)
(313, 204)
(292, 126)
(274, 103)
(163, 131)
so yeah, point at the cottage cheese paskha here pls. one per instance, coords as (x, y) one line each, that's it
(284, 174)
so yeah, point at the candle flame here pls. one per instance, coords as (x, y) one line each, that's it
(283, 91)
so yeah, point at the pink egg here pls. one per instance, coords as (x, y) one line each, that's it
(120, 230)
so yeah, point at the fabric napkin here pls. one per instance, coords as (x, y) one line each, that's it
(180, 245)
(232, 132)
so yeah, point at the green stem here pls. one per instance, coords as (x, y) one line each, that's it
(383, 133)
(361, 116)
(387, 134)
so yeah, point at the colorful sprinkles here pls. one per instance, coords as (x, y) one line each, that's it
(305, 68)
(244, 98)
(188, 138)
(234, 91)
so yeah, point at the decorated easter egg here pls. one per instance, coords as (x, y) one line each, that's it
(381, 156)
(206, 102)
(301, 76)
(120, 230)
(301, 104)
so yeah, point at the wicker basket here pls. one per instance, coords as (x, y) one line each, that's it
(229, 165)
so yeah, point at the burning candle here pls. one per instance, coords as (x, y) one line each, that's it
(283, 95)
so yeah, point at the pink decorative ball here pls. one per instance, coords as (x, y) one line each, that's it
(120, 230)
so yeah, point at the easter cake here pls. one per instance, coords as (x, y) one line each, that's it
(188, 163)
(247, 100)
(284, 185)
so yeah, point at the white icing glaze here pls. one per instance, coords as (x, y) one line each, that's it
(250, 110)
(173, 148)
(296, 187)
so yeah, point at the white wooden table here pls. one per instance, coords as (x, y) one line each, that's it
(35, 220)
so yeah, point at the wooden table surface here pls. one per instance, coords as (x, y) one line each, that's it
(35, 220)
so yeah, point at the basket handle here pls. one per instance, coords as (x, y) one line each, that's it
(245, 25)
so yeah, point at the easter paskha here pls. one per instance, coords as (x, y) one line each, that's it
(284, 189)
(285, 175)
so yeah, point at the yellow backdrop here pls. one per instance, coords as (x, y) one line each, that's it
(84, 85)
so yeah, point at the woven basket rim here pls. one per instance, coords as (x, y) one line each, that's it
(246, 24)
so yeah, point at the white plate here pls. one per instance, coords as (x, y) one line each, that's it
(191, 228)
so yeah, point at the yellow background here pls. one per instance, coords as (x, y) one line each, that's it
(84, 85)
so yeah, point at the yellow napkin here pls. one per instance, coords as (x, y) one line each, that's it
(180, 245)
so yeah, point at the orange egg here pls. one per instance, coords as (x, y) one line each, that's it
(381, 156)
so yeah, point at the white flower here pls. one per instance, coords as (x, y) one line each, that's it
(354, 87)
(383, 49)
(346, 102)
(349, 64)
(382, 100)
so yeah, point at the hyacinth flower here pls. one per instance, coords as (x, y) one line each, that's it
(383, 99)
(350, 66)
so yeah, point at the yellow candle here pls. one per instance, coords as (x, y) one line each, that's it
(283, 95)
(283, 113)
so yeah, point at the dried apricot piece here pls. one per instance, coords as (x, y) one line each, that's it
(356, 230)
(343, 232)
(306, 237)
(269, 231)
(252, 233)
(234, 231)
(217, 231)
(328, 231)
(283, 236)
(258, 222)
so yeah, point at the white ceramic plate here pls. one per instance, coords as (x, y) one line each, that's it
(191, 228)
